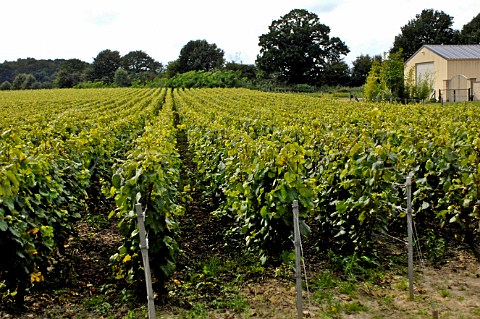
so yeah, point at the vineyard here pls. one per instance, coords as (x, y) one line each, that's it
(247, 154)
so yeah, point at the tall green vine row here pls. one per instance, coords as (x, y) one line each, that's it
(47, 164)
(345, 162)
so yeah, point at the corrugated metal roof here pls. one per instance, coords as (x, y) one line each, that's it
(455, 52)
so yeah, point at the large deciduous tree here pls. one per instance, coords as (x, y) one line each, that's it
(105, 65)
(298, 48)
(428, 27)
(70, 73)
(140, 66)
(470, 33)
(199, 55)
(139, 61)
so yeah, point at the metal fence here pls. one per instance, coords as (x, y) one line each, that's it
(456, 95)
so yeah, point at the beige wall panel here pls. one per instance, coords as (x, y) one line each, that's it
(468, 68)
(476, 91)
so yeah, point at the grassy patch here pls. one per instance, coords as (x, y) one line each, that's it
(97, 304)
(214, 284)
(444, 293)
(354, 307)
(476, 312)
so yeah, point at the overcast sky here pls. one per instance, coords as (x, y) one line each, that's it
(49, 29)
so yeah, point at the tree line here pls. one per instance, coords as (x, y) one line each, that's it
(297, 51)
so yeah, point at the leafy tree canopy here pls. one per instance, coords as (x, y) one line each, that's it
(173, 68)
(428, 27)
(139, 61)
(248, 71)
(70, 73)
(18, 81)
(298, 48)
(360, 68)
(385, 79)
(121, 78)
(42, 70)
(470, 33)
(199, 55)
(6, 85)
(105, 65)
(140, 66)
(336, 73)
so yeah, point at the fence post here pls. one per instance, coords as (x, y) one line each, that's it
(410, 236)
(298, 269)
(146, 263)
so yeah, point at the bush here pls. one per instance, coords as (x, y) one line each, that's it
(5, 86)
(197, 79)
(303, 88)
(91, 85)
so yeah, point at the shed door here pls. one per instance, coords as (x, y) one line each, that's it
(424, 70)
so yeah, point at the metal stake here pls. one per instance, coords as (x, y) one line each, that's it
(146, 263)
(298, 269)
(410, 232)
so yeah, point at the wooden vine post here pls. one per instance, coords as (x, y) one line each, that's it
(146, 263)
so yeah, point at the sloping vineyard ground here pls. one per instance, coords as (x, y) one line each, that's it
(217, 171)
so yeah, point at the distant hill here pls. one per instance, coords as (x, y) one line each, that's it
(43, 70)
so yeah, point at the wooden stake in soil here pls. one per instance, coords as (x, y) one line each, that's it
(298, 269)
(146, 263)
(410, 235)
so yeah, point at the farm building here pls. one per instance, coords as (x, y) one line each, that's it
(453, 69)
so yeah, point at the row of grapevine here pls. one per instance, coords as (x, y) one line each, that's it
(52, 149)
(254, 154)
(345, 162)
(150, 175)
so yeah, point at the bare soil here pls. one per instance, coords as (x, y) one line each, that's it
(85, 288)
(452, 291)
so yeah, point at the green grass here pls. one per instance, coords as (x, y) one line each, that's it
(347, 288)
(444, 293)
(97, 304)
(402, 285)
(354, 307)
(476, 312)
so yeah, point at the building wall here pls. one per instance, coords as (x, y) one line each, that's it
(439, 66)
(476, 91)
(468, 68)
